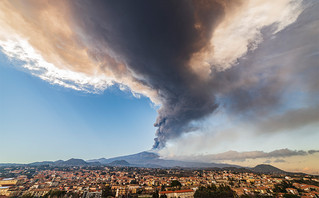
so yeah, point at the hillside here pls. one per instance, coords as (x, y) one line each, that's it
(266, 168)
(153, 160)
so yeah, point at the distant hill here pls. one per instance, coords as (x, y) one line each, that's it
(269, 169)
(139, 158)
(41, 163)
(119, 163)
(153, 160)
(70, 162)
(10, 164)
(261, 168)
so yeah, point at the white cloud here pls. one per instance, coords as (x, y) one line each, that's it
(240, 32)
(50, 45)
(18, 48)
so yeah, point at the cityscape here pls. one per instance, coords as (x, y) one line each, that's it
(159, 98)
(121, 181)
(141, 175)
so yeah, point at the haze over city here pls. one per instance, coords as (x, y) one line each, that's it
(215, 81)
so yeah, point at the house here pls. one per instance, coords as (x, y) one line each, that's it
(292, 191)
(189, 193)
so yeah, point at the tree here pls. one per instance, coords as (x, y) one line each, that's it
(214, 192)
(282, 186)
(291, 196)
(107, 191)
(56, 193)
(133, 181)
(175, 183)
(72, 195)
(27, 196)
(155, 194)
(255, 196)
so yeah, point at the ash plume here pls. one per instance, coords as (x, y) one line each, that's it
(156, 39)
(189, 57)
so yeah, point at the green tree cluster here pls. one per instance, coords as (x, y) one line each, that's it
(215, 192)
(281, 188)
(107, 192)
(176, 183)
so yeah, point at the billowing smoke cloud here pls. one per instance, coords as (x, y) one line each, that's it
(187, 56)
(291, 119)
(156, 41)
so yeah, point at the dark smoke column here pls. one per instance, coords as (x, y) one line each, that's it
(156, 39)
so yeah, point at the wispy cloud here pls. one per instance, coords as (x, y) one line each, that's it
(242, 156)
(280, 161)
(241, 31)
(313, 151)
(20, 49)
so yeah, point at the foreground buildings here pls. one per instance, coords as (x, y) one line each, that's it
(46, 181)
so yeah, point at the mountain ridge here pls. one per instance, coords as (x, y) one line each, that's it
(152, 160)
(69, 162)
(267, 168)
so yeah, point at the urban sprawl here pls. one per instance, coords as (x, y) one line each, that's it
(47, 181)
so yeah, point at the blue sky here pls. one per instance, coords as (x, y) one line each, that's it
(47, 122)
(240, 77)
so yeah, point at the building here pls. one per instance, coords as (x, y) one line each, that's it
(8, 182)
(189, 193)
(4, 191)
(92, 194)
(292, 191)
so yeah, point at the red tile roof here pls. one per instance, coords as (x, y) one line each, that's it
(176, 191)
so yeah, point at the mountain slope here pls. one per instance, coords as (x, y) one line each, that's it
(73, 162)
(150, 159)
(269, 169)
(139, 158)
(70, 162)
(119, 163)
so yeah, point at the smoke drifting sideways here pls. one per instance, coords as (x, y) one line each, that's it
(156, 39)
(183, 55)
